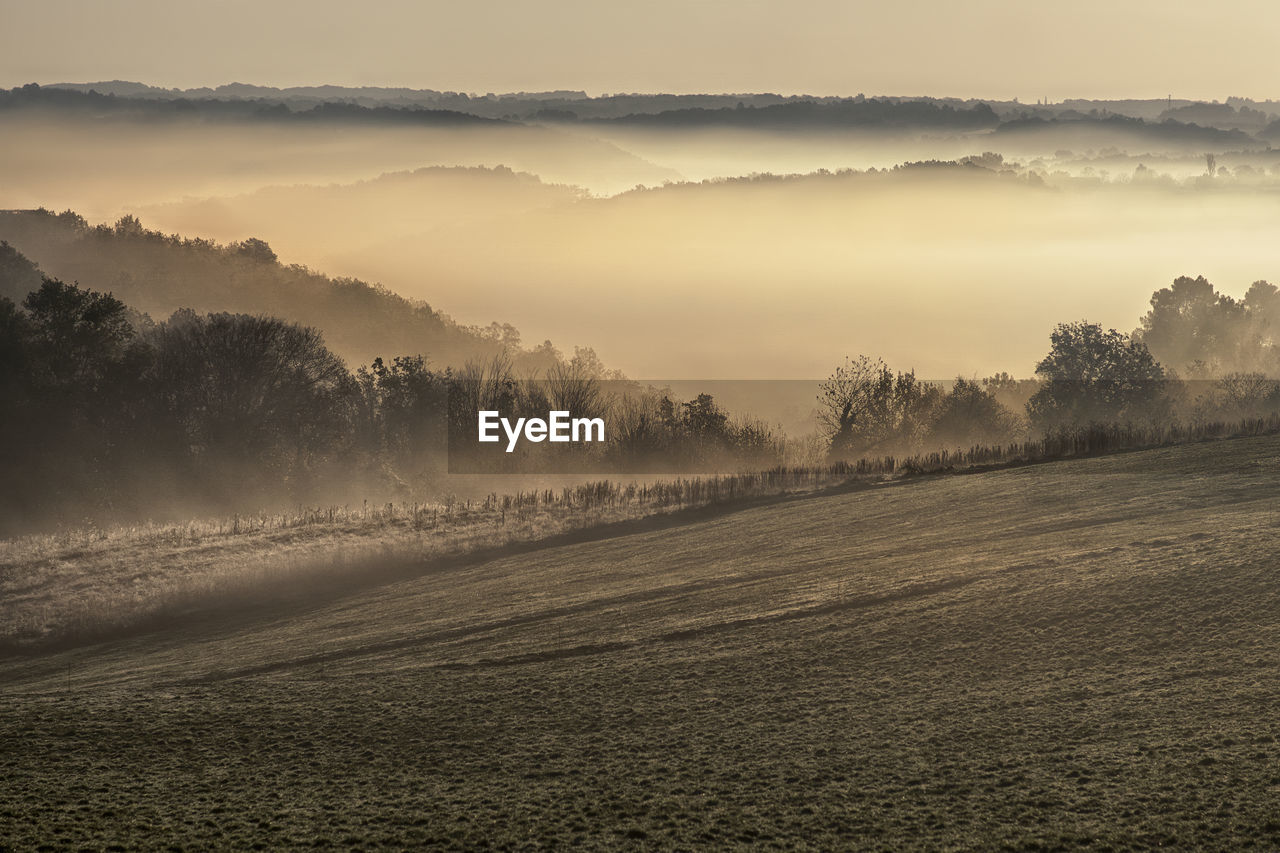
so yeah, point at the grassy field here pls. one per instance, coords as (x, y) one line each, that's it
(91, 583)
(1081, 653)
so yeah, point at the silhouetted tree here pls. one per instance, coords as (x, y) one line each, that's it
(1194, 327)
(1091, 375)
(253, 390)
(848, 399)
(648, 429)
(970, 414)
(1262, 302)
(1263, 297)
(74, 408)
(703, 419)
(402, 411)
(864, 406)
(257, 250)
(79, 335)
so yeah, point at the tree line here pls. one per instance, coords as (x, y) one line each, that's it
(107, 415)
(1197, 356)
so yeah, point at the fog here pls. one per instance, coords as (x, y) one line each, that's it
(959, 271)
(322, 225)
(947, 273)
(105, 167)
(1071, 147)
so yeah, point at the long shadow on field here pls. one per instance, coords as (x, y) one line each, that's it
(329, 584)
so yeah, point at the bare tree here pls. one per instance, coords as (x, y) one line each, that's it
(848, 398)
(1247, 393)
(575, 389)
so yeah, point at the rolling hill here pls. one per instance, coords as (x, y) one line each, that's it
(1078, 654)
(312, 221)
(158, 274)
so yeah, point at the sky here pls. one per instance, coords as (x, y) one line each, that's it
(998, 49)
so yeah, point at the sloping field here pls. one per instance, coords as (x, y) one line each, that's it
(1077, 654)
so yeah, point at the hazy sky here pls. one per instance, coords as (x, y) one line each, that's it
(982, 48)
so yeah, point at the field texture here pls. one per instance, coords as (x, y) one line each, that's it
(1077, 654)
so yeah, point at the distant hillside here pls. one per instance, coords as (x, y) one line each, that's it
(560, 104)
(809, 115)
(314, 222)
(1222, 116)
(526, 104)
(377, 94)
(304, 96)
(1168, 131)
(107, 156)
(158, 274)
(33, 97)
(1186, 124)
